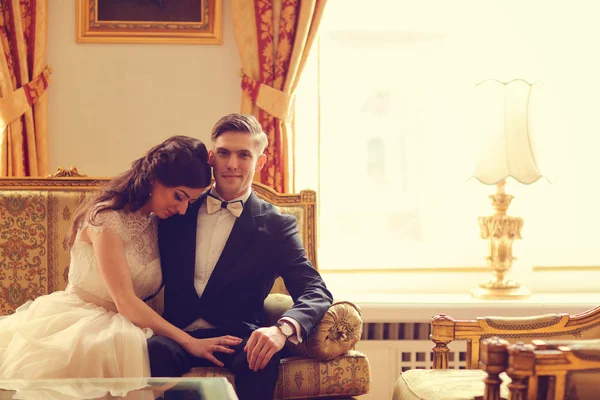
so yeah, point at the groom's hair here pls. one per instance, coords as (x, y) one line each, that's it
(243, 123)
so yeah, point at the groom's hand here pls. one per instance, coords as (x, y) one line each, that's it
(263, 343)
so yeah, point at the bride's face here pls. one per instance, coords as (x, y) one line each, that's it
(168, 201)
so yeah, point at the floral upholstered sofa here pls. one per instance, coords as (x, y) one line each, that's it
(36, 214)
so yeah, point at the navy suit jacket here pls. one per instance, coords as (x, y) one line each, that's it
(262, 246)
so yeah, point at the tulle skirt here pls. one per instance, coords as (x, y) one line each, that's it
(61, 336)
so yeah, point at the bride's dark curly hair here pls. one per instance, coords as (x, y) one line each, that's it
(178, 161)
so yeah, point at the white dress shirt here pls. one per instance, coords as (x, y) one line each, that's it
(212, 232)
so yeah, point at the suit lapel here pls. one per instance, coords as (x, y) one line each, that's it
(241, 236)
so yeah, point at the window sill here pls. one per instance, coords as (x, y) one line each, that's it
(382, 307)
(552, 283)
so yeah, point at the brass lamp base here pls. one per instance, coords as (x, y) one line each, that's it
(489, 293)
(500, 230)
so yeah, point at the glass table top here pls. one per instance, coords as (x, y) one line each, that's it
(118, 388)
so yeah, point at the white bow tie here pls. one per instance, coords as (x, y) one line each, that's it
(214, 204)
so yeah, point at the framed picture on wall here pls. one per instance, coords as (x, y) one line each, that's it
(149, 21)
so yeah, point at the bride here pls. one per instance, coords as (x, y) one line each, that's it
(98, 326)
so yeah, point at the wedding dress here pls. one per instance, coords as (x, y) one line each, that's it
(77, 333)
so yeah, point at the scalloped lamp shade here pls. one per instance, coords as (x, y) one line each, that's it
(507, 114)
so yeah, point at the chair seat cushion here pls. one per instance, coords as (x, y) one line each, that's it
(300, 378)
(443, 384)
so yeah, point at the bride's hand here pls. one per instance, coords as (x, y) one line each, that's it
(204, 348)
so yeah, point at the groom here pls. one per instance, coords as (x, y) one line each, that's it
(220, 260)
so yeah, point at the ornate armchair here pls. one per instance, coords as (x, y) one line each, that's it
(445, 329)
(35, 217)
(483, 352)
(543, 370)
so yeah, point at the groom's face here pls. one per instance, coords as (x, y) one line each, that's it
(235, 159)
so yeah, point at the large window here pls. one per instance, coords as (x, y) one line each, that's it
(387, 106)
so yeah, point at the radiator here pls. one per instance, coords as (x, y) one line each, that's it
(395, 331)
(411, 343)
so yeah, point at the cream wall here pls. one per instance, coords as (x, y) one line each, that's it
(108, 103)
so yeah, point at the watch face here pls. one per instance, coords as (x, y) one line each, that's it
(286, 329)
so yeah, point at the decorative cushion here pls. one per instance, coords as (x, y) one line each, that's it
(348, 375)
(444, 384)
(336, 333)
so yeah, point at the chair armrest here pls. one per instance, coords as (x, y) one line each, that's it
(586, 349)
(338, 331)
(523, 323)
(445, 329)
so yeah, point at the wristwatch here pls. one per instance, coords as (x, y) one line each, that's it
(285, 328)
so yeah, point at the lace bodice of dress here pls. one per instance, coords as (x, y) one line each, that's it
(140, 240)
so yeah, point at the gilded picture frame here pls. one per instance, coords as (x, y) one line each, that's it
(149, 21)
